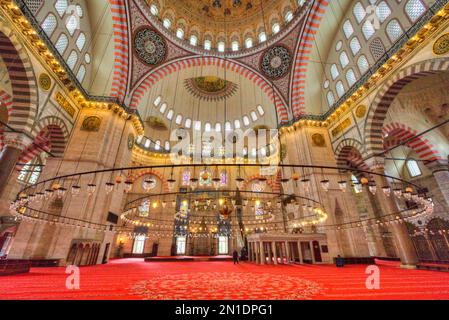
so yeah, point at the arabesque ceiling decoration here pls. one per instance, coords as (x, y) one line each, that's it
(210, 88)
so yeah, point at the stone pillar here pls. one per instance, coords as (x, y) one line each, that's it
(270, 258)
(287, 250)
(281, 252)
(275, 255)
(249, 252)
(256, 251)
(262, 253)
(312, 253)
(14, 144)
(301, 259)
(407, 252)
(440, 172)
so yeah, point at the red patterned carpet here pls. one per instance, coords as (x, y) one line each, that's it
(135, 279)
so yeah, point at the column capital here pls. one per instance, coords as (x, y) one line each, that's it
(438, 165)
(17, 140)
(376, 163)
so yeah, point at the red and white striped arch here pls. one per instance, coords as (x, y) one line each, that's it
(349, 153)
(5, 102)
(397, 133)
(121, 48)
(190, 62)
(51, 135)
(303, 51)
(275, 186)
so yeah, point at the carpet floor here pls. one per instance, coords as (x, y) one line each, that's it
(135, 279)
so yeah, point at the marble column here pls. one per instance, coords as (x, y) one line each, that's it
(287, 251)
(404, 243)
(262, 253)
(270, 256)
(281, 252)
(301, 259)
(440, 172)
(275, 256)
(312, 253)
(14, 144)
(249, 252)
(256, 251)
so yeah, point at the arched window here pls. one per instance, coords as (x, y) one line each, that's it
(394, 30)
(350, 77)
(207, 44)
(178, 119)
(163, 108)
(348, 29)
(248, 43)
(207, 127)
(235, 46)
(81, 41)
(368, 29)
(340, 89)
(260, 110)
(383, 11)
(61, 43)
(158, 145)
(197, 125)
(188, 123)
(139, 244)
(61, 7)
(237, 124)
(167, 23)
(228, 126)
(334, 72)
(359, 12)
(49, 24)
(81, 73)
(355, 46)
(262, 37)
(413, 168)
(221, 46)
(288, 16)
(72, 59)
(157, 101)
(180, 33)
(414, 9)
(170, 114)
(154, 10)
(344, 60)
(245, 121)
(276, 28)
(167, 145)
(72, 24)
(330, 98)
(193, 40)
(218, 127)
(363, 64)
(253, 116)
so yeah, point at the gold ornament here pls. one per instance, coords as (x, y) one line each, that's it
(318, 140)
(45, 81)
(360, 111)
(441, 46)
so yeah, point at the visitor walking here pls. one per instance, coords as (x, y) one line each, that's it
(235, 257)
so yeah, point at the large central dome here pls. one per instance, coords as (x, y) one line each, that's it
(223, 25)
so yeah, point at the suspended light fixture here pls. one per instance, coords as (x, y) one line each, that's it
(171, 184)
(372, 188)
(325, 184)
(193, 183)
(343, 185)
(75, 190)
(149, 184)
(109, 187)
(284, 183)
(397, 193)
(128, 186)
(164, 204)
(262, 183)
(305, 184)
(386, 190)
(216, 182)
(91, 188)
(295, 176)
(239, 182)
(357, 187)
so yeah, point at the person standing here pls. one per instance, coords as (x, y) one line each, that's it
(235, 257)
